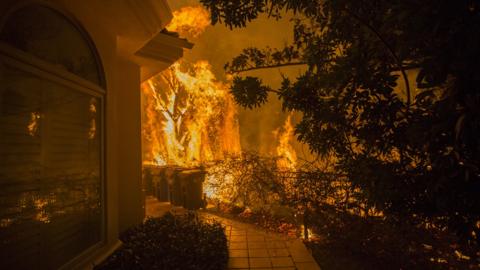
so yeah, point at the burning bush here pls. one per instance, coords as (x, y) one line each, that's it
(269, 190)
(249, 181)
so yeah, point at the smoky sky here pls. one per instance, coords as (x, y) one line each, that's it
(218, 45)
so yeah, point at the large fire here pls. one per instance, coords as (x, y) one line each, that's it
(190, 117)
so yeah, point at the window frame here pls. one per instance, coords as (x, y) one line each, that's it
(68, 17)
(44, 70)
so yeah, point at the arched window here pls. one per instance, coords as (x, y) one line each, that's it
(51, 140)
(50, 36)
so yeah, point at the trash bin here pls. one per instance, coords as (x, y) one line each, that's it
(148, 180)
(163, 189)
(175, 188)
(191, 185)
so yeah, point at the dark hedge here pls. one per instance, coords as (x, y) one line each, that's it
(171, 242)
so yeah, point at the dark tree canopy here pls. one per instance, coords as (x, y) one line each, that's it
(414, 153)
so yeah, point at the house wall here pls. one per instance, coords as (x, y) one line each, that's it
(131, 198)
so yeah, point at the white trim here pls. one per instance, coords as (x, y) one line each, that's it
(42, 66)
(42, 74)
(99, 251)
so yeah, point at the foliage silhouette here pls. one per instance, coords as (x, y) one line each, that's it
(390, 88)
(171, 242)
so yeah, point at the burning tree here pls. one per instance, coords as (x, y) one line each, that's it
(190, 118)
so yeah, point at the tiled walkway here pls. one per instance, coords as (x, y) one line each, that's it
(154, 208)
(251, 247)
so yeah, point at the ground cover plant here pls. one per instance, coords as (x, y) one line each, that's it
(171, 242)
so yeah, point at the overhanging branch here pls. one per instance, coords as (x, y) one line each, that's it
(269, 66)
(390, 50)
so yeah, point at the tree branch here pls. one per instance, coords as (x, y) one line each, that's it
(271, 66)
(390, 50)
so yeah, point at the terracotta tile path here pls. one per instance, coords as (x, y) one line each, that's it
(253, 248)
(250, 247)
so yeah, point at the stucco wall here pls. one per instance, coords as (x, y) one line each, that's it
(131, 199)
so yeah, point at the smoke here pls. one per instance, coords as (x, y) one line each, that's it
(218, 45)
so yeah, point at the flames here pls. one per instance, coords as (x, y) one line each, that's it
(34, 123)
(285, 151)
(189, 21)
(93, 125)
(190, 118)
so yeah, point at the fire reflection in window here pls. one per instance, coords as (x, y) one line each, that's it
(34, 124)
(93, 116)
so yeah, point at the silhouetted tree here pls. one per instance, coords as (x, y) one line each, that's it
(391, 88)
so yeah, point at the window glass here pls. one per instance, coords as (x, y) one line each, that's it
(50, 171)
(49, 36)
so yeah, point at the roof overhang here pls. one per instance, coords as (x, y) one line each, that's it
(159, 53)
(138, 27)
(148, 44)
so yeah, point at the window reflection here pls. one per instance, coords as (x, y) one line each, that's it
(50, 174)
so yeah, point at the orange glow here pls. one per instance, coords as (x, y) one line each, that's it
(285, 151)
(311, 235)
(5, 222)
(189, 21)
(34, 123)
(41, 214)
(93, 125)
(190, 118)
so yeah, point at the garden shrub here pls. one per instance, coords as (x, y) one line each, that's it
(171, 242)
(353, 242)
(282, 212)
